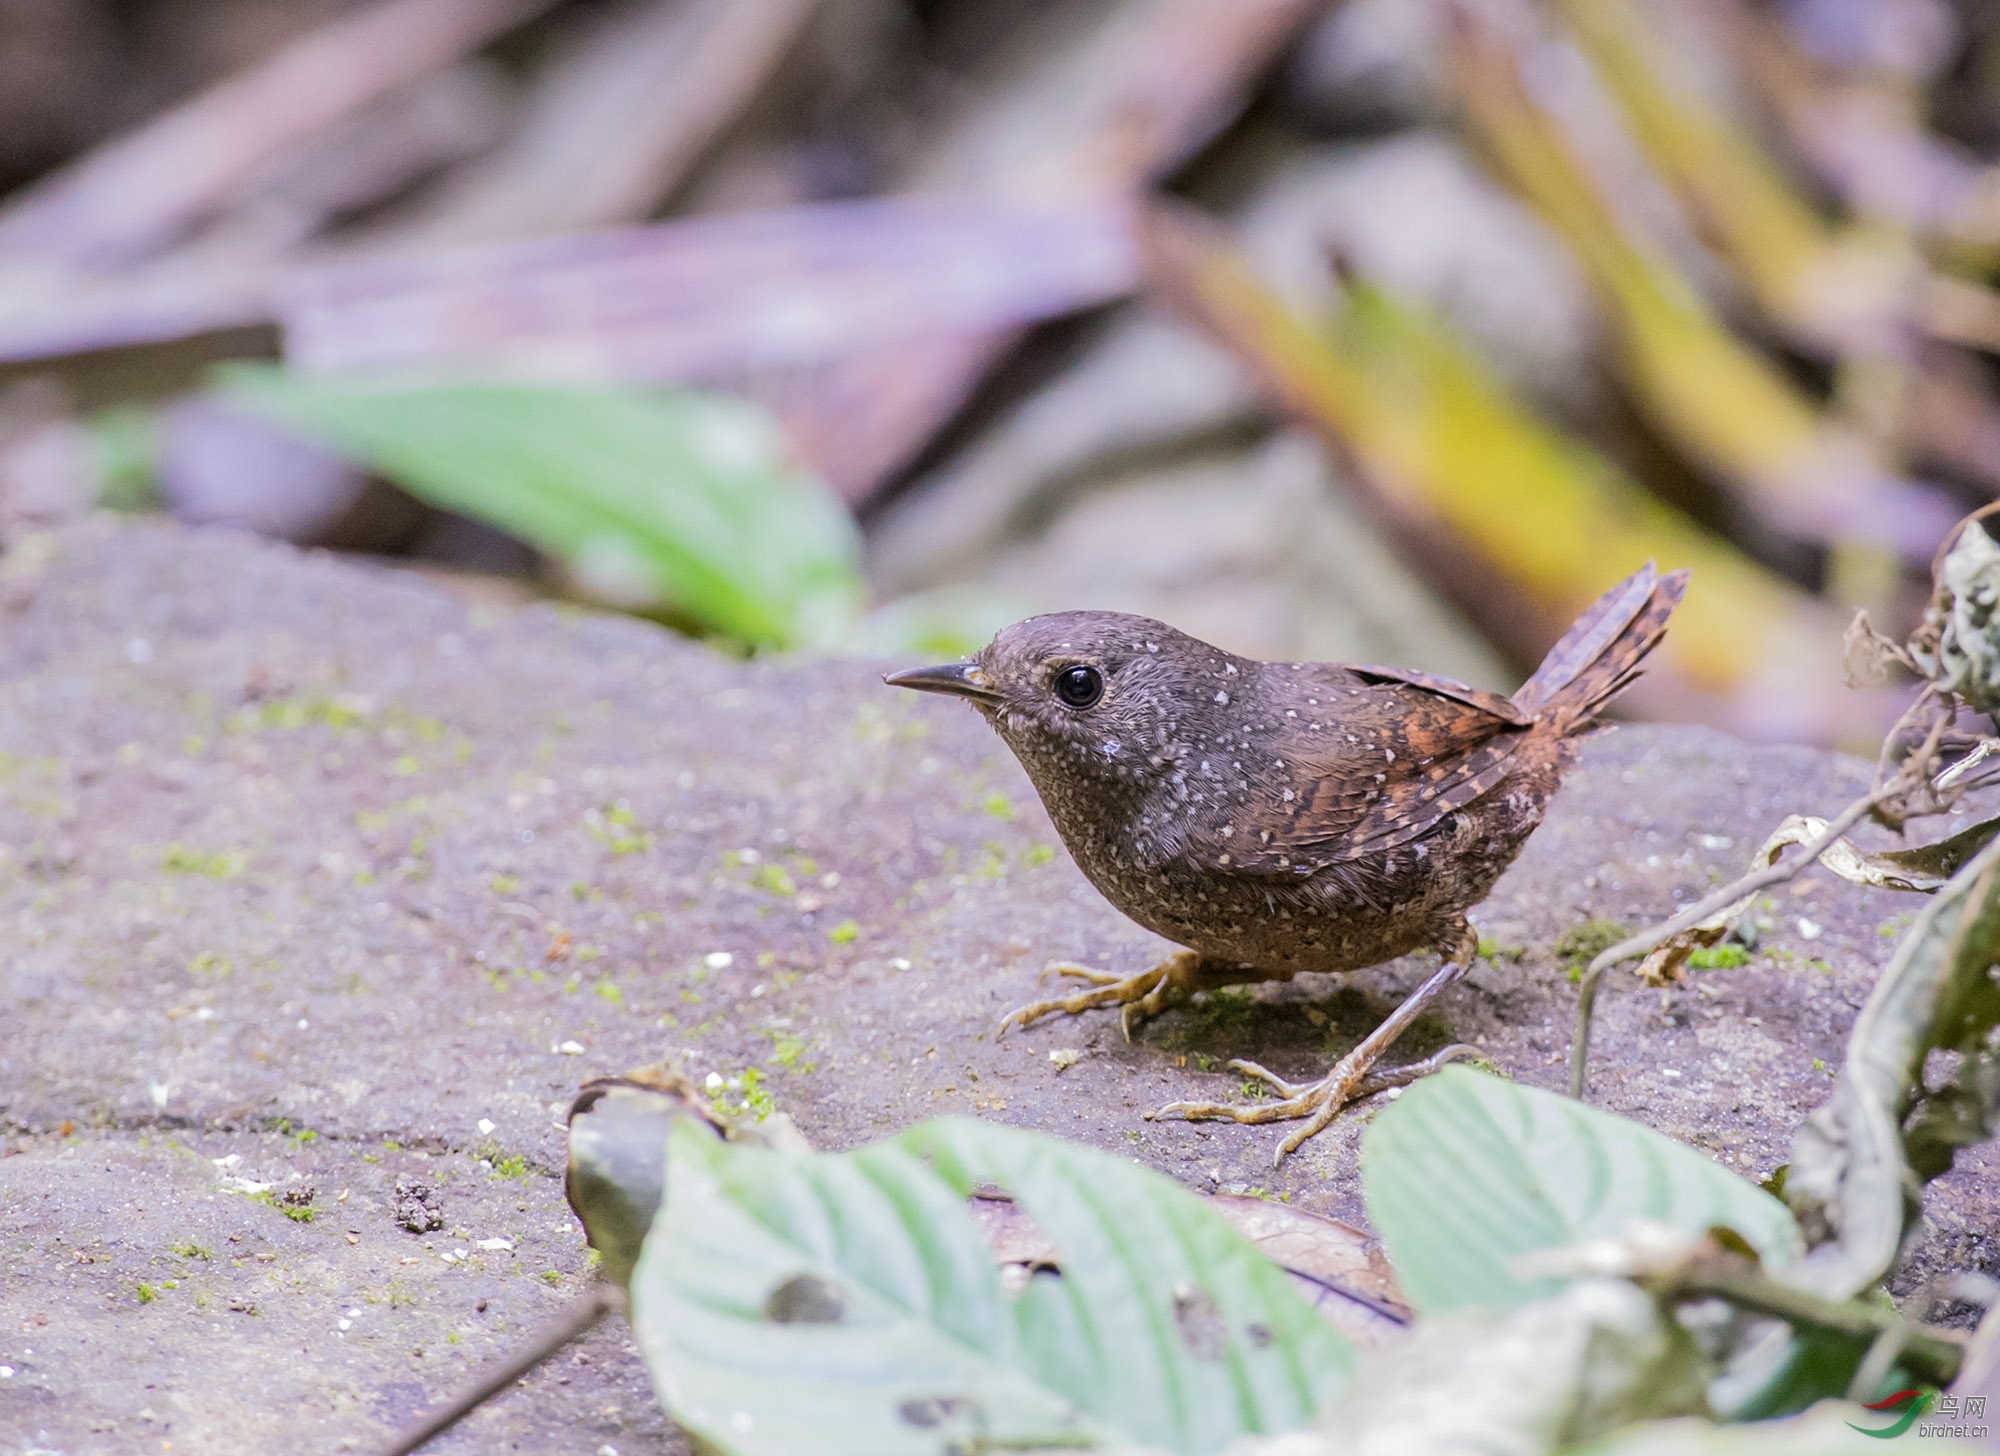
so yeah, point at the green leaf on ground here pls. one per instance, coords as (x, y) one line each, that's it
(679, 503)
(1466, 1172)
(849, 1303)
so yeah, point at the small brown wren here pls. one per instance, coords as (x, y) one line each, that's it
(1278, 817)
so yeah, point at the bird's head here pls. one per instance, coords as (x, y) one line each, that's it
(1104, 695)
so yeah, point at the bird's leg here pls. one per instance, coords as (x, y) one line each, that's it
(1353, 1077)
(1378, 1079)
(1142, 996)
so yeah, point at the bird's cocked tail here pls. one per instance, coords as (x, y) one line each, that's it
(1599, 656)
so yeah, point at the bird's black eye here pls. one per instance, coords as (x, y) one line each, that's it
(1080, 687)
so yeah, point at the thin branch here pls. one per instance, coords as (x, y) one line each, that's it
(1926, 1351)
(1882, 774)
(1912, 774)
(1368, 1302)
(577, 1320)
(1750, 884)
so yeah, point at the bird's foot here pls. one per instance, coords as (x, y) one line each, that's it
(1142, 997)
(1353, 1078)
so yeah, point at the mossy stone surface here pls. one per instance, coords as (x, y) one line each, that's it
(316, 878)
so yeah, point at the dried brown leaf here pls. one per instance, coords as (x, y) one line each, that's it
(1341, 1271)
(1922, 869)
(1868, 654)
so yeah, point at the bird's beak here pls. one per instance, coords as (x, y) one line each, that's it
(959, 679)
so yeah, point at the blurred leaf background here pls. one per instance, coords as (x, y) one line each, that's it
(1383, 330)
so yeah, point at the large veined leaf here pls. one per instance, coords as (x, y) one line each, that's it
(680, 501)
(1466, 1172)
(847, 1302)
(1165, 1318)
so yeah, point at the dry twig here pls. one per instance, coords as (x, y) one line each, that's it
(579, 1319)
(1898, 797)
(615, 125)
(131, 197)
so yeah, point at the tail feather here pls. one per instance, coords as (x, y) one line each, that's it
(1599, 656)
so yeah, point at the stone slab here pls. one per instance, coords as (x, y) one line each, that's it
(314, 878)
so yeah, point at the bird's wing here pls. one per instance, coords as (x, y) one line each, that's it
(1400, 753)
(1491, 704)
